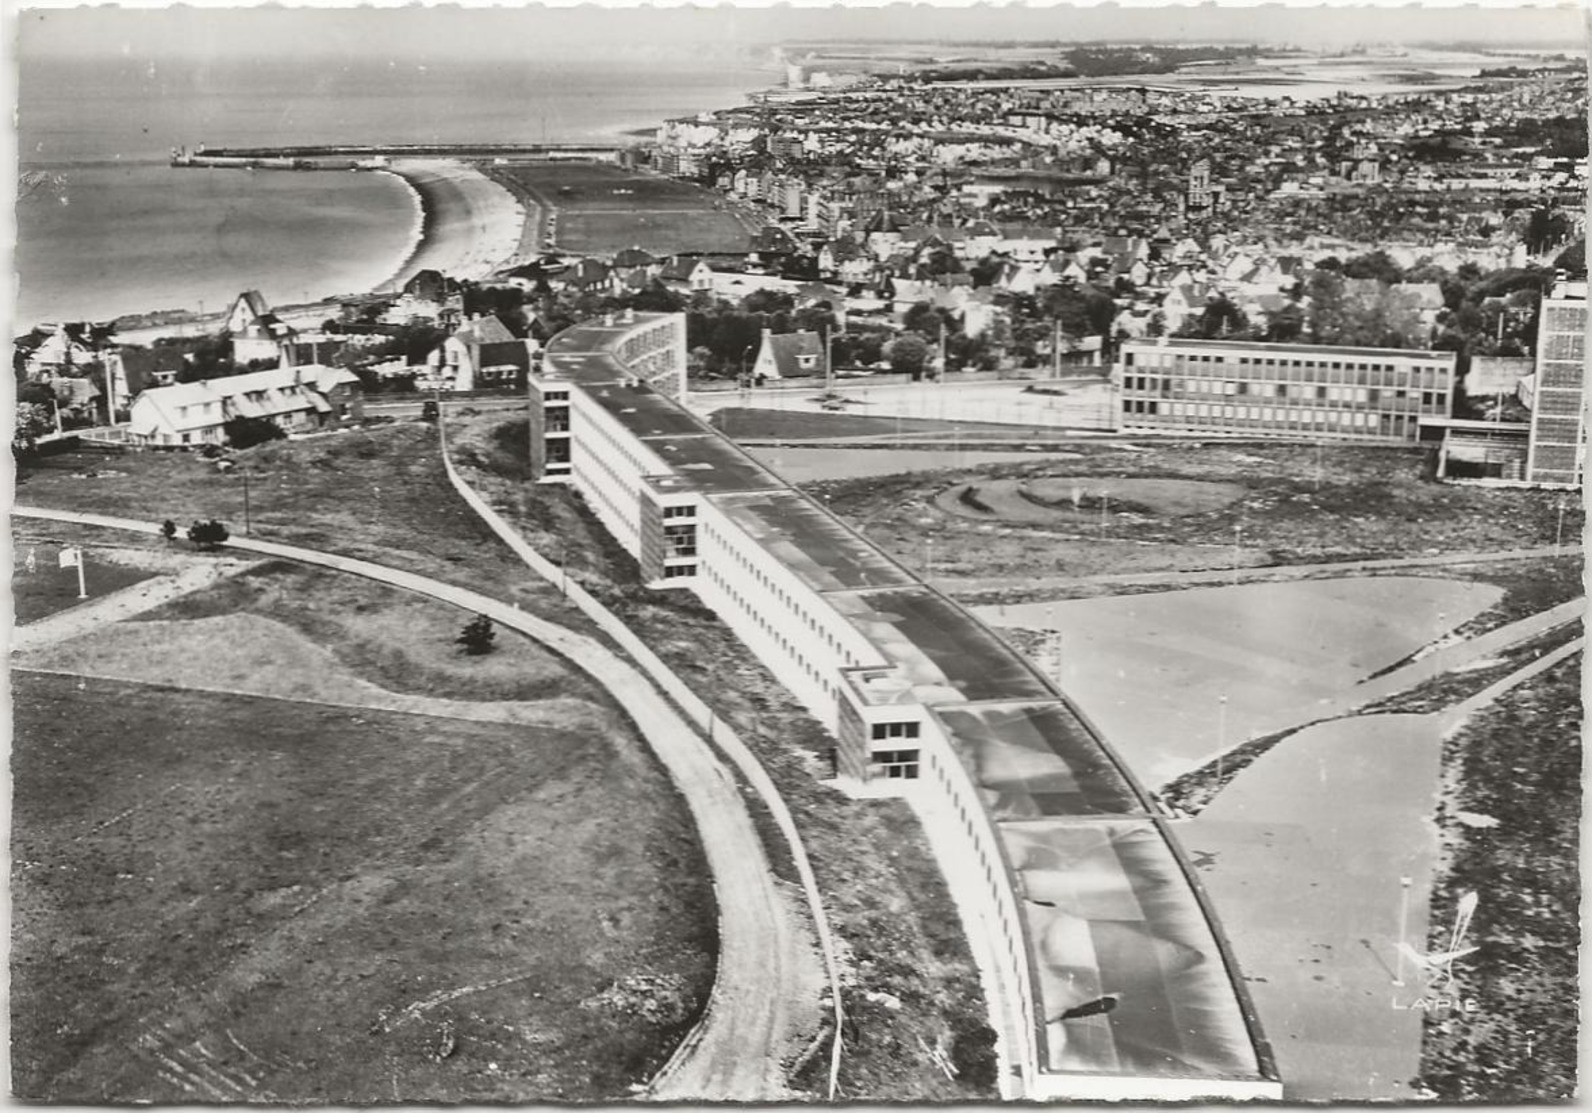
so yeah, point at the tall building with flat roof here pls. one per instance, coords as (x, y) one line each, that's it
(1266, 389)
(1558, 408)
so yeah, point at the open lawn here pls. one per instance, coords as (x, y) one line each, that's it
(602, 208)
(378, 493)
(49, 587)
(378, 634)
(1369, 502)
(219, 898)
(1511, 819)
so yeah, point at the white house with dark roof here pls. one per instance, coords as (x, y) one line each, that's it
(790, 355)
(482, 353)
(257, 333)
(297, 399)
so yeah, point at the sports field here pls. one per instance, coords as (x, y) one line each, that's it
(601, 208)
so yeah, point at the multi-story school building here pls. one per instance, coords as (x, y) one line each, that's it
(1118, 982)
(1266, 389)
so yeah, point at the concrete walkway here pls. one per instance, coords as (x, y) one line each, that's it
(761, 953)
(1306, 854)
(118, 605)
(1441, 661)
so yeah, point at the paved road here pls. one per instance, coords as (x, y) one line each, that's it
(736, 1054)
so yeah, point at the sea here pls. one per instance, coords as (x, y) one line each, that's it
(106, 227)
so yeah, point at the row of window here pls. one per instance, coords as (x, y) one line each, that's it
(1299, 416)
(884, 730)
(1397, 400)
(1258, 363)
(779, 593)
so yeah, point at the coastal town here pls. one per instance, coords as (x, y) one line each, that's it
(1066, 558)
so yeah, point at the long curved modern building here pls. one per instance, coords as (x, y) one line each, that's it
(1115, 979)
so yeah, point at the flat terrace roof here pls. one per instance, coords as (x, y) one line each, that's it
(810, 543)
(948, 657)
(643, 412)
(1282, 347)
(1107, 905)
(595, 336)
(1109, 910)
(1036, 761)
(707, 463)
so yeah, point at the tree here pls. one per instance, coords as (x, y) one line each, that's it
(208, 535)
(477, 637)
(33, 422)
(909, 353)
(244, 431)
(168, 531)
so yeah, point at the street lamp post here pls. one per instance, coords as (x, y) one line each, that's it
(1558, 535)
(1238, 544)
(1221, 736)
(247, 528)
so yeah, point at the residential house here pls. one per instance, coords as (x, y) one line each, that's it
(691, 273)
(782, 356)
(298, 399)
(257, 333)
(482, 354)
(69, 348)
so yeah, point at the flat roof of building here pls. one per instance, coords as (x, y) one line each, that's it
(811, 543)
(1108, 910)
(949, 657)
(1282, 347)
(1036, 761)
(644, 412)
(707, 463)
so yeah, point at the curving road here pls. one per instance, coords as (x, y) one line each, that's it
(736, 1052)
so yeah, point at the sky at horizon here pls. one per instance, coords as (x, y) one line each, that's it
(692, 32)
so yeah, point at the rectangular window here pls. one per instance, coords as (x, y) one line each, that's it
(886, 730)
(895, 764)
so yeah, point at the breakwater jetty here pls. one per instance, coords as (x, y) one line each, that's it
(361, 157)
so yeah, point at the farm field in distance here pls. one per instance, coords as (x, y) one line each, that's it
(603, 208)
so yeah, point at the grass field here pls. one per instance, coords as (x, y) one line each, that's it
(1512, 814)
(378, 494)
(384, 636)
(1368, 502)
(50, 587)
(601, 208)
(222, 898)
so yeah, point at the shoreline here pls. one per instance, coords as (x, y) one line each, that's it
(467, 225)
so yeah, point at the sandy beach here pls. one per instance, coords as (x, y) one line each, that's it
(469, 225)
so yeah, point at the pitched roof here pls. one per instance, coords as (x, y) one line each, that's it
(633, 258)
(484, 331)
(265, 394)
(788, 349)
